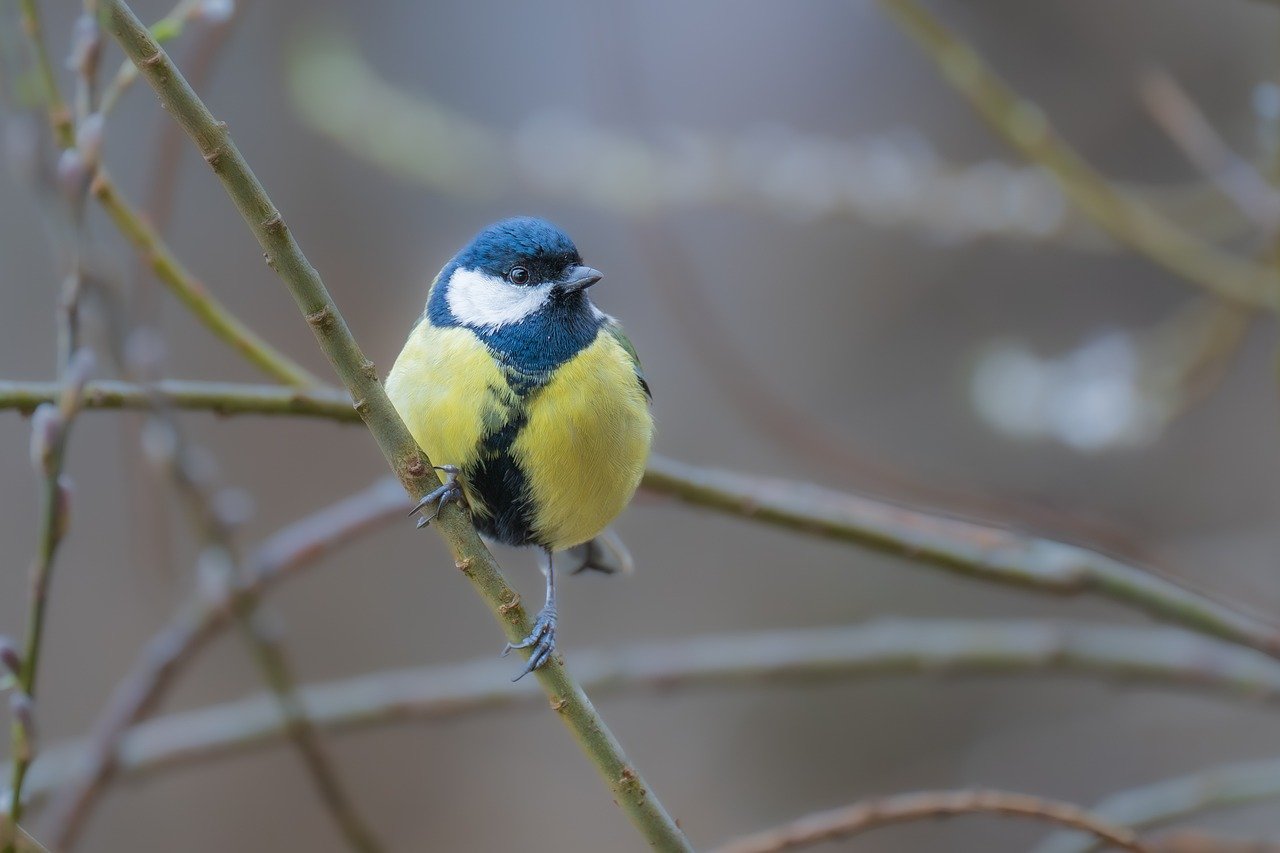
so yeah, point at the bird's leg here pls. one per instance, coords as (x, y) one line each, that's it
(448, 491)
(542, 639)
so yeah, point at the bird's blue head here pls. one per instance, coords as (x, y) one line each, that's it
(517, 271)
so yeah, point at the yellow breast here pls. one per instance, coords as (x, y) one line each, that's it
(584, 441)
(585, 444)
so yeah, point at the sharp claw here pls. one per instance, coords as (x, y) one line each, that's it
(446, 492)
(537, 659)
(542, 639)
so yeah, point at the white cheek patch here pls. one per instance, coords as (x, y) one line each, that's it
(478, 299)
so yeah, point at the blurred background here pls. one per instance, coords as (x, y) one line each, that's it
(834, 272)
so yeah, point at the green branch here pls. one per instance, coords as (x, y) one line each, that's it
(360, 377)
(980, 551)
(223, 398)
(1161, 657)
(51, 427)
(1026, 128)
(203, 305)
(59, 114)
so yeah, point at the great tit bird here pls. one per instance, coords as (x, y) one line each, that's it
(529, 398)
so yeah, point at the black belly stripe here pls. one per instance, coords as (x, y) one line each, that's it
(498, 480)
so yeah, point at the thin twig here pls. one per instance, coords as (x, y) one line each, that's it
(361, 379)
(1025, 127)
(50, 430)
(1178, 798)
(224, 398)
(199, 621)
(930, 805)
(219, 567)
(19, 840)
(167, 28)
(59, 114)
(198, 300)
(980, 551)
(1159, 657)
(1189, 129)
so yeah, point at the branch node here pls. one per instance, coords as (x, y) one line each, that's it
(504, 609)
(322, 320)
(415, 468)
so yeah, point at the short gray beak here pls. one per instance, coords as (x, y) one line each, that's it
(580, 278)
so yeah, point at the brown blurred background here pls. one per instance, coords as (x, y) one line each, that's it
(873, 329)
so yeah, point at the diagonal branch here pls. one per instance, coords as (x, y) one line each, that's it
(202, 619)
(202, 304)
(221, 572)
(979, 551)
(1130, 221)
(930, 805)
(361, 379)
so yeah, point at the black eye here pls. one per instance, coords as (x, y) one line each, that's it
(518, 275)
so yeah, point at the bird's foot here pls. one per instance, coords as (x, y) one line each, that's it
(449, 491)
(542, 641)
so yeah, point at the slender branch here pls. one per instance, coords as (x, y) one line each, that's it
(975, 550)
(1025, 127)
(1190, 130)
(980, 551)
(199, 621)
(224, 398)
(59, 113)
(50, 430)
(1161, 657)
(903, 808)
(1178, 798)
(167, 28)
(19, 840)
(52, 427)
(361, 379)
(198, 300)
(219, 567)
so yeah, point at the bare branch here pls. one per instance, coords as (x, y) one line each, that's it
(902, 808)
(979, 551)
(1025, 127)
(1160, 657)
(202, 304)
(1178, 798)
(288, 551)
